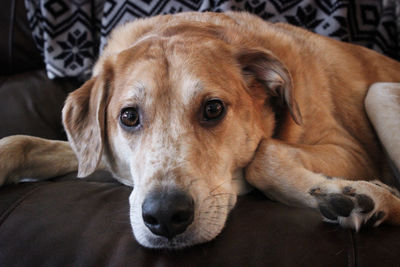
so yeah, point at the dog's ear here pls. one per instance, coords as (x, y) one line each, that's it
(265, 68)
(84, 122)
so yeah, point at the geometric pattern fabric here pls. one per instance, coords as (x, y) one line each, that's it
(71, 33)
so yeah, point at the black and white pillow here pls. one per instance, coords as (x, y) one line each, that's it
(70, 33)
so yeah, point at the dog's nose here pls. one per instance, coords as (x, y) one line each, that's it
(168, 213)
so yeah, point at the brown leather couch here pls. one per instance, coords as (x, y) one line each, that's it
(84, 222)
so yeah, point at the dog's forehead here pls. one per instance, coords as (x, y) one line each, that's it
(176, 68)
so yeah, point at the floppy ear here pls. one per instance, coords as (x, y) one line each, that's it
(273, 75)
(84, 119)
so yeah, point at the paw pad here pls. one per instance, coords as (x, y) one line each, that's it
(327, 212)
(340, 204)
(365, 203)
(353, 203)
(334, 205)
(350, 191)
(346, 207)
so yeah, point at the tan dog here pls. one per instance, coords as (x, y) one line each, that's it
(181, 106)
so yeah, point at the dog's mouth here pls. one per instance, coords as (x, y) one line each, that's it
(175, 221)
(160, 242)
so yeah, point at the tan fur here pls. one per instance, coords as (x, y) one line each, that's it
(168, 66)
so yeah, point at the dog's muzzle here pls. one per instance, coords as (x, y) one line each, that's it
(168, 213)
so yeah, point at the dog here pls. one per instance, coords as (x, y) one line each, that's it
(189, 109)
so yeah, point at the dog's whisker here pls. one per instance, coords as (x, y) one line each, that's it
(221, 184)
(207, 218)
(214, 224)
(212, 212)
(193, 182)
(204, 231)
(221, 206)
(213, 218)
(209, 198)
(222, 194)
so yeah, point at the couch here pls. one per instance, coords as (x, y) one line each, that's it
(67, 221)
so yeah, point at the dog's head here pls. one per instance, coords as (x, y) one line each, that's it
(178, 115)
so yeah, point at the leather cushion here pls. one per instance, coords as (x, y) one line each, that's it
(75, 222)
(18, 52)
(31, 104)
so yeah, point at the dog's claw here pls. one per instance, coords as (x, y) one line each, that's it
(374, 219)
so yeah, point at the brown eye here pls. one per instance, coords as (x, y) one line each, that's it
(214, 110)
(130, 117)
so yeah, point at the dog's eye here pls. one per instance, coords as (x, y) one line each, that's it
(214, 110)
(130, 117)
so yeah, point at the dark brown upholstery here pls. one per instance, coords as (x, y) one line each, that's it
(31, 104)
(74, 222)
(17, 50)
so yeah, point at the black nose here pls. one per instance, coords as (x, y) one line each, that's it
(168, 213)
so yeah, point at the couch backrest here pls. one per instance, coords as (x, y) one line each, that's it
(18, 52)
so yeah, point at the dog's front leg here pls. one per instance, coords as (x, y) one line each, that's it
(296, 175)
(32, 157)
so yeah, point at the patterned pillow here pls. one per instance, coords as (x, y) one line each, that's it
(70, 33)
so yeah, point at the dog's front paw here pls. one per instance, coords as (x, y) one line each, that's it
(353, 204)
(12, 153)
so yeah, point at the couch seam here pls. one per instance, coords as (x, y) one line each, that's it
(353, 254)
(11, 36)
(17, 203)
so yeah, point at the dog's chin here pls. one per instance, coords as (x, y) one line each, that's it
(158, 242)
(192, 236)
